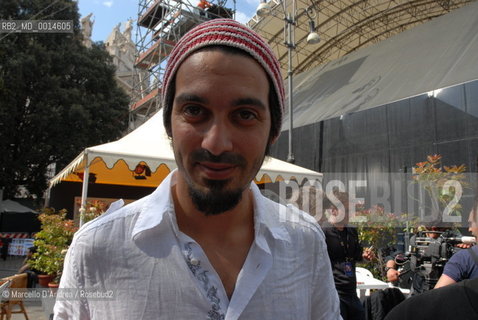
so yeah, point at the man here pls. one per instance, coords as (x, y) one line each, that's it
(203, 4)
(415, 279)
(344, 251)
(206, 244)
(418, 277)
(463, 264)
(26, 268)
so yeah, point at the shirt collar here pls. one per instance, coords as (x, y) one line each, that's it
(267, 213)
(154, 209)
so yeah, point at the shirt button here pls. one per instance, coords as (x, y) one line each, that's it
(194, 261)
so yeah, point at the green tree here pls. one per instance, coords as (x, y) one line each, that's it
(56, 96)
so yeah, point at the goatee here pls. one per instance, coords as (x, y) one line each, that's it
(216, 200)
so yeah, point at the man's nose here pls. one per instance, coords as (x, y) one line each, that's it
(217, 138)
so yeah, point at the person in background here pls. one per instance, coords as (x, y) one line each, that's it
(5, 245)
(391, 266)
(344, 251)
(463, 264)
(206, 244)
(203, 4)
(25, 268)
(418, 279)
(457, 301)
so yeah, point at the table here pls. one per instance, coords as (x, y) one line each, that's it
(367, 282)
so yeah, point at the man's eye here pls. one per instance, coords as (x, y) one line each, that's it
(192, 111)
(246, 115)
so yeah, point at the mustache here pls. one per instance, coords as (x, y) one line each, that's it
(203, 155)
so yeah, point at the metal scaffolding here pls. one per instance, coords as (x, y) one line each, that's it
(160, 24)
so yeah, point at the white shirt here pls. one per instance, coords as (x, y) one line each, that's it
(134, 263)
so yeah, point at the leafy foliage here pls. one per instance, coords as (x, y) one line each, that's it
(378, 229)
(93, 210)
(52, 241)
(436, 179)
(56, 96)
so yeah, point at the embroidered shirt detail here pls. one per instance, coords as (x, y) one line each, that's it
(203, 278)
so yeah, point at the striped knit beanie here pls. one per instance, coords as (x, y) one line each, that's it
(223, 32)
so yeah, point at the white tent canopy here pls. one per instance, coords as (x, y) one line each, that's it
(144, 157)
(12, 206)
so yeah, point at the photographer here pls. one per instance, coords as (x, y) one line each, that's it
(461, 299)
(421, 268)
(464, 264)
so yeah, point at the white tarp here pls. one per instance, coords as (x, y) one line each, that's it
(435, 55)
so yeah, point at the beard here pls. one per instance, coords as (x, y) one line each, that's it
(216, 200)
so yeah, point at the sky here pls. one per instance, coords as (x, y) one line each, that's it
(108, 13)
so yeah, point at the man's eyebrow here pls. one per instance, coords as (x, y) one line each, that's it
(188, 97)
(249, 101)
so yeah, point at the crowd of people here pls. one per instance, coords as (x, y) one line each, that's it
(455, 294)
(405, 270)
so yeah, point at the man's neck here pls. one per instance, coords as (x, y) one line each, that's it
(226, 238)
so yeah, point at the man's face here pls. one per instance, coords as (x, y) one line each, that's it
(220, 126)
(338, 215)
(473, 222)
(435, 235)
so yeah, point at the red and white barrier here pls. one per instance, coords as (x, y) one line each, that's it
(15, 235)
(19, 242)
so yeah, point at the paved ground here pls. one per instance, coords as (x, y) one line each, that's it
(34, 311)
(10, 266)
(34, 308)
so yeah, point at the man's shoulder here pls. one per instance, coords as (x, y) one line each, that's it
(291, 218)
(124, 215)
(460, 255)
(467, 254)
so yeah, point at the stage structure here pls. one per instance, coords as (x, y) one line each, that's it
(160, 24)
(343, 25)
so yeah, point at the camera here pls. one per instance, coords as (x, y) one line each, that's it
(428, 252)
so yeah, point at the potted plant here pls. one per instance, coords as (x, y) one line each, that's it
(52, 242)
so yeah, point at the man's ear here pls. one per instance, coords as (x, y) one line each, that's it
(274, 139)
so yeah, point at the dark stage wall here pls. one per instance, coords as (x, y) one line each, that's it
(391, 138)
(394, 136)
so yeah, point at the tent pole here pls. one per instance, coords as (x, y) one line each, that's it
(47, 197)
(84, 189)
